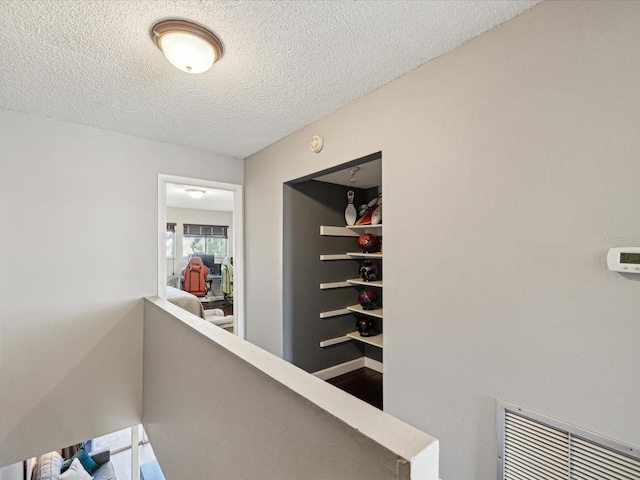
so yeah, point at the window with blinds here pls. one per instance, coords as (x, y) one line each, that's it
(190, 230)
(534, 447)
(204, 239)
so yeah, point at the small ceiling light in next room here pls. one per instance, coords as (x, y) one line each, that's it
(188, 46)
(195, 193)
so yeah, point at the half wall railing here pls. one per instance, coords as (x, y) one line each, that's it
(218, 407)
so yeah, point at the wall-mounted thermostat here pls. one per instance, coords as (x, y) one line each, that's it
(624, 259)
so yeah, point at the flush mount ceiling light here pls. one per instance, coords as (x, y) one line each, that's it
(187, 46)
(195, 193)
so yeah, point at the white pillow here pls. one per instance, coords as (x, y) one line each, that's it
(76, 472)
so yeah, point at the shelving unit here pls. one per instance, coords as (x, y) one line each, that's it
(320, 262)
(352, 231)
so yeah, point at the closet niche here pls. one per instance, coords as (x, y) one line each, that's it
(322, 261)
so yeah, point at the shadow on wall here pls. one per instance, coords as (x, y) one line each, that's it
(94, 384)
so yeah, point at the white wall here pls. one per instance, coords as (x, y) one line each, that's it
(180, 216)
(71, 305)
(218, 407)
(12, 472)
(510, 166)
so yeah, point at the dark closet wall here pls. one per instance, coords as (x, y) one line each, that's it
(307, 206)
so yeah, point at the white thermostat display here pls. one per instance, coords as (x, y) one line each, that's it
(624, 259)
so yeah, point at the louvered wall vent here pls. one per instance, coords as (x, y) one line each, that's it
(535, 447)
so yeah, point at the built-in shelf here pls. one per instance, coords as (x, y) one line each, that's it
(350, 230)
(364, 255)
(335, 313)
(329, 231)
(359, 281)
(349, 256)
(329, 286)
(335, 341)
(377, 227)
(338, 256)
(377, 313)
(375, 341)
(351, 283)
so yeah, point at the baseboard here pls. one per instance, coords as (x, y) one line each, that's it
(340, 369)
(373, 364)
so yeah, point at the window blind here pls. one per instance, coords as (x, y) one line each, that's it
(171, 227)
(191, 230)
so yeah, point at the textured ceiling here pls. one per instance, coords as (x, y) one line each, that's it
(286, 63)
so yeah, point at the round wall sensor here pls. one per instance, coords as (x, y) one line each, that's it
(316, 143)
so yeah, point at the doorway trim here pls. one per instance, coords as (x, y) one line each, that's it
(238, 240)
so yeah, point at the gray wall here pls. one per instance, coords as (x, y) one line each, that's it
(511, 165)
(71, 306)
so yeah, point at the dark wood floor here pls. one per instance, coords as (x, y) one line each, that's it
(364, 383)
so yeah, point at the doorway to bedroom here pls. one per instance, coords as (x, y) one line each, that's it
(200, 249)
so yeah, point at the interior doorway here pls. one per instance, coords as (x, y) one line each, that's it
(188, 203)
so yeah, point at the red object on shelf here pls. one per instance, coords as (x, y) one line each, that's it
(368, 242)
(372, 206)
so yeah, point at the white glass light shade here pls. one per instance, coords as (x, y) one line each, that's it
(188, 46)
(187, 52)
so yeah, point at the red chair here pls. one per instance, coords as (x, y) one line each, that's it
(195, 277)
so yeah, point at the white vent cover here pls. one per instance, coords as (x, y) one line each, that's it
(535, 447)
